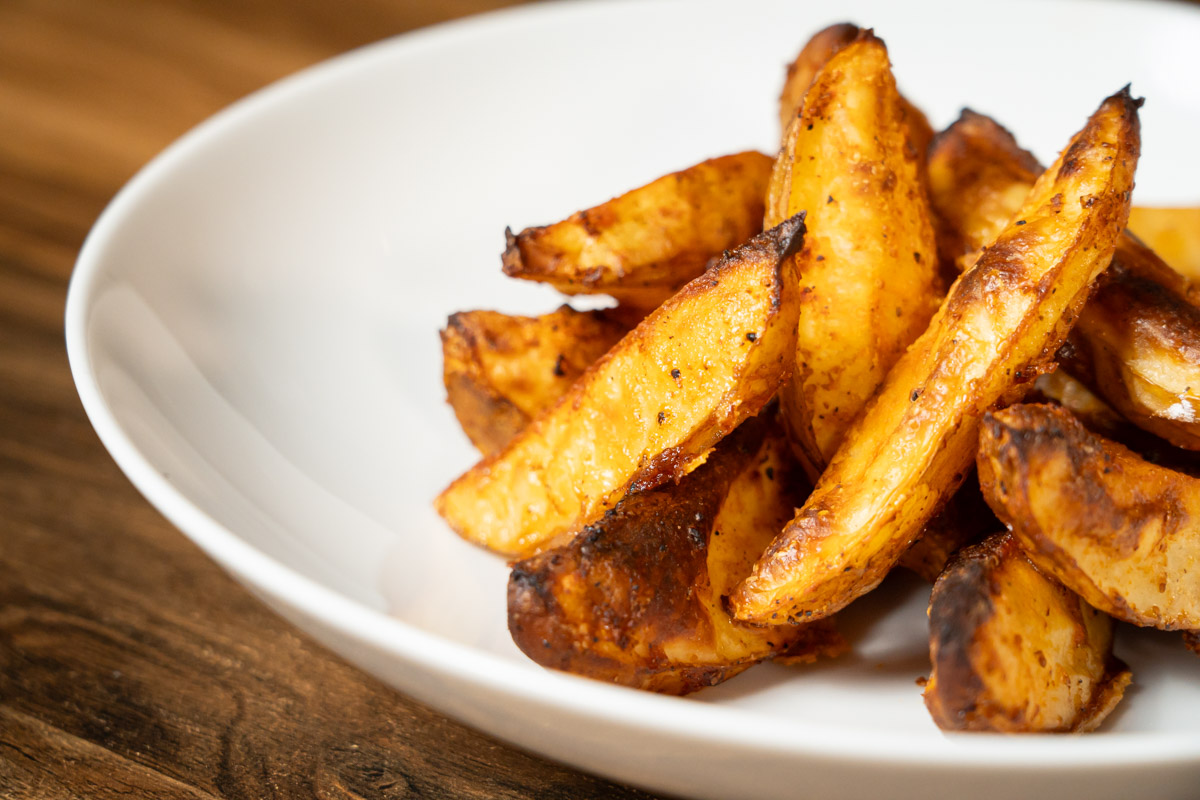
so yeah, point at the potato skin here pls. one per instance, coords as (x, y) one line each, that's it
(643, 246)
(1137, 341)
(501, 371)
(1122, 533)
(868, 271)
(635, 599)
(688, 374)
(1000, 326)
(1173, 233)
(1014, 651)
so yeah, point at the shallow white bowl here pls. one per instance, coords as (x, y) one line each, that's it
(252, 327)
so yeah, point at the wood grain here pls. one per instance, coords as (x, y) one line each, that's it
(130, 666)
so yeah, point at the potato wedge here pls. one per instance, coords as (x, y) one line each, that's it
(1137, 341)
(1121, 532)
(635, 599)
(978, 179)
(999, 327)
(501, 371)
(1173, 233)
(1014, 651)
(643, 246)
(801, 73)
(868, 269)
(710, 357)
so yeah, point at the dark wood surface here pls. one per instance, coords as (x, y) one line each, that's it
(130, 665)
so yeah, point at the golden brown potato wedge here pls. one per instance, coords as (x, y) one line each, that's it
(801, 73)
(643, 246)
(1119, 531)
(635, 599)
(978, 178)
(710, 357)
(868, 269)
(1137, 341)
(501, 371)
(999, 327)
(1014, 651)
(1173, 233)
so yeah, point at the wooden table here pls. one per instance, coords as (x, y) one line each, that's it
(130, 665)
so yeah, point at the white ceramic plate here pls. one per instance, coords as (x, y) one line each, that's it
(253, 329)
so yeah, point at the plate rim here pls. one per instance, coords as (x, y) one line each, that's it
(678, 718)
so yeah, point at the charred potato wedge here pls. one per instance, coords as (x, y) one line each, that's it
(1014, 651)
(1120, 532)
(868, 270)
(501, 371)
(1173, 233)
(635, 599)
(999, 327)
(710, 357)
(643, 246)
(1137, 341)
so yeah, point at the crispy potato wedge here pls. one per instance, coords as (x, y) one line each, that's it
(801, 73)
(978, 179)
(710, 357)
(1119, 531)
(868, 269)
(1173, 233)
(635, 599)
(501, 371)
(643, 246)
(999, 327)
(1014, 651)
(1137, 341)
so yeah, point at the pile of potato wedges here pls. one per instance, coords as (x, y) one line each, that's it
(882, 347)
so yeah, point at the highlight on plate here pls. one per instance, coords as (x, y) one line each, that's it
(880, 347)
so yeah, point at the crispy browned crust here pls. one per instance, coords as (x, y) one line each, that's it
(978, 178)
(643, 246)
(801, 72)
(964, 519)
(1060, 388)
(999, 327)
(1014, 651)
(815, 53)
(868, 272)
(1122, 533)
(501, 371)
(1173, 233)
(710, 357)
(1137, 342)
(1191, 640)
(635, 599)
